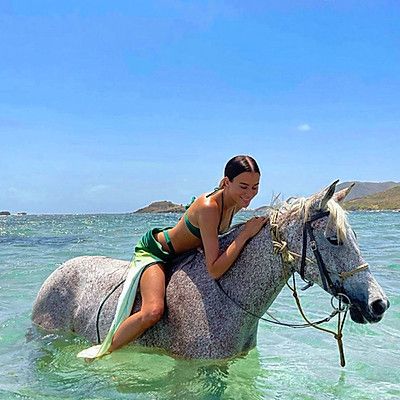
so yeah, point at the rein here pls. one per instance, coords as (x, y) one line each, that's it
(288, 257)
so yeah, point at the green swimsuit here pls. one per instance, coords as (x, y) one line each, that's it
(148, 251)
(194, 229)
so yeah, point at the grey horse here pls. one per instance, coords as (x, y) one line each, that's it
(201, 321)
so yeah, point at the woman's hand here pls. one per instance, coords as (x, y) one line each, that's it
(253, 226)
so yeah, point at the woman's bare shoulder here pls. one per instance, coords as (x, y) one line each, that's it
(205, 207)
(206, 202)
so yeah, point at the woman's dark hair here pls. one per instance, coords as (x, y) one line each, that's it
(239, 164)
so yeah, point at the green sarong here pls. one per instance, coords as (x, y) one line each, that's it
(147, 252)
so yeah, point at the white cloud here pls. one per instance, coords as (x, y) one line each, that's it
(97, 189)
(12, 190)
(304, 127)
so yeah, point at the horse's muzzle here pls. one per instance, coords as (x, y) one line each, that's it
(372, 313)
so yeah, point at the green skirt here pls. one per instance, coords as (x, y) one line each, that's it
(147, 252)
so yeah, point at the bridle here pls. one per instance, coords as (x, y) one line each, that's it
(287, 256)
(335, 288)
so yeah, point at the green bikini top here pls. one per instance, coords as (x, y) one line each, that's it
(196, 230)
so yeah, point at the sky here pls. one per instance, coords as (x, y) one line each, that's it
(106, 106)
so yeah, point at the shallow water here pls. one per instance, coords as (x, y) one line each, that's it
(286, 364)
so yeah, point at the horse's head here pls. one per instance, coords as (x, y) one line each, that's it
(318, 229)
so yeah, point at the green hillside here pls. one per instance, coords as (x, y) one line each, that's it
(387, 200)
(363, 189)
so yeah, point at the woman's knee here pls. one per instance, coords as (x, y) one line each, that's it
(152, 314)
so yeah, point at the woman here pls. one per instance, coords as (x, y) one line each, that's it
(206, 218)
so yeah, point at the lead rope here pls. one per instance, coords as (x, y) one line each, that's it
(337, 335)
(287, 256)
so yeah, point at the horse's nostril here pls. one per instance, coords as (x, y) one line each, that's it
(378, 307)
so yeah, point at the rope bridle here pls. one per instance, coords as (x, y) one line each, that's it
(288, 258)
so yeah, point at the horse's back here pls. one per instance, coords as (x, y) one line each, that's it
(199, 320)
(74, 291)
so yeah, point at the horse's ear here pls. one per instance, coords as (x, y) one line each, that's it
(341, 195)
(321, 199)
(329, 192)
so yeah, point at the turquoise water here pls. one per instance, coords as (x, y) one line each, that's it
(286, 364)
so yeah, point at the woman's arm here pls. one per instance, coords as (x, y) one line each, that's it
(217, 264)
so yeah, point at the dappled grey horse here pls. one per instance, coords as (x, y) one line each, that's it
(200, 320)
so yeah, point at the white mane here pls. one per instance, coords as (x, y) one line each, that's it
(297, 207)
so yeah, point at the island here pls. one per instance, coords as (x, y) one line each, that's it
(162, 207)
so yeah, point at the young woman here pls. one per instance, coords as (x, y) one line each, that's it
(207, 217)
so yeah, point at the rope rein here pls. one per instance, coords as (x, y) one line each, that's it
(288, 257)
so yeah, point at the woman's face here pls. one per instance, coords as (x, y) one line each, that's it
(244, 187)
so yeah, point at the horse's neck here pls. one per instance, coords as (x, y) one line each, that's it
(258, 275)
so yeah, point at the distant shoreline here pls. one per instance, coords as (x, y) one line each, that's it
(169, 213)
(373, 197)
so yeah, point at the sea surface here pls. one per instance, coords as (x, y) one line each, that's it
(286, 364)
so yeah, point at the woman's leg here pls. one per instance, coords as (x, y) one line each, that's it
(152, 290)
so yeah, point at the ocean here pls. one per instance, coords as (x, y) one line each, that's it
(286, 364)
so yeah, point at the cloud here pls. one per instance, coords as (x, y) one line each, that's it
(96, 189)
(12, 190)
(304, 127)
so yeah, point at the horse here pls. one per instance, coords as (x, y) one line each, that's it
(218, 319)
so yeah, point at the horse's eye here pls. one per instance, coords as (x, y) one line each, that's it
(334, 240)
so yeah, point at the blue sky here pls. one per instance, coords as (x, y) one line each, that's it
(107, 106)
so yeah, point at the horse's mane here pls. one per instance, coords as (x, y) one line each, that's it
(300, 206)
